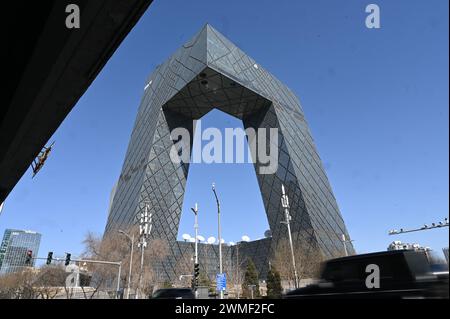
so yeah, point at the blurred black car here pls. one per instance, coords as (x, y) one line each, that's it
(402, 274)
(173, 293)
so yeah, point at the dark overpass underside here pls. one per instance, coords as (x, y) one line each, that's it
(48, 67)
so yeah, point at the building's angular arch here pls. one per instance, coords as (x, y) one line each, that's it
(209, 71)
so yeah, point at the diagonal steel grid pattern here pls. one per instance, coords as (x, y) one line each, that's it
(211, 72)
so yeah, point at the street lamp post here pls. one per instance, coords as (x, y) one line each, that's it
(219, 235)
(285, 204)
(195, 210)
(344, 242)
(131, 261)
(237, 270)
(118, 280)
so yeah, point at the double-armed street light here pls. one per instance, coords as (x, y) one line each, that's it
(344, 242)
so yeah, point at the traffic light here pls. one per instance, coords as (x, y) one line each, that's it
(29, 257)
(196, 270)
(49, 257)
(67, 259)
(196, 273)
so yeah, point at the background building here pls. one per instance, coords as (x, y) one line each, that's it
(14, 247)
(211, 72)
(445, 251)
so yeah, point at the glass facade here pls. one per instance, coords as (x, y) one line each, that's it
(211, 72)
(14, 247)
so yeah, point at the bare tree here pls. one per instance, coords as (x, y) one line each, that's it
(18, 285)
(308, 259)
(50, 281)
(116, 247)
(239, 277)
(234, 275)
(153, 274)
(183, 266)
(98, 249)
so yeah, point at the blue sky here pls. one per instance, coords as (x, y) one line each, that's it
(376, 101)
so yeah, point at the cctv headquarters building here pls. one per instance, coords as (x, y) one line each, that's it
(209, 72)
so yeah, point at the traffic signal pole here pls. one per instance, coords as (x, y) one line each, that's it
(195, 210)
(104, 262)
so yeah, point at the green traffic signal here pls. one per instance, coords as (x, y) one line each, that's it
(67, 259)
(196, 270)
(49, 257)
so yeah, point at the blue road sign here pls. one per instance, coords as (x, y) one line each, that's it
(221, 282)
